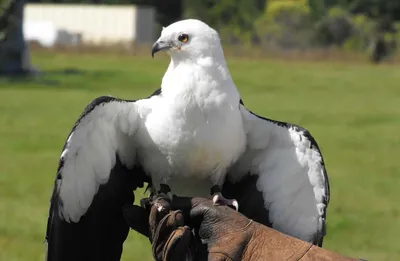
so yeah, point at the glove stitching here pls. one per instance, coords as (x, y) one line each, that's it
(237, 231)
(222, 253)
(169, 240)
(305, 250)
(161, 226)
(157, 233)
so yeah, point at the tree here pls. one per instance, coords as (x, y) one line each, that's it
(377, 9)
(14, 54)
(234, 19)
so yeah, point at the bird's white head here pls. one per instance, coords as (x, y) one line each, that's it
(189, 39)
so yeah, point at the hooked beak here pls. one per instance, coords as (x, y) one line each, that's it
(158, 46)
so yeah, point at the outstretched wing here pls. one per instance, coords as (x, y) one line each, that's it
(282, 171)
(96, 177)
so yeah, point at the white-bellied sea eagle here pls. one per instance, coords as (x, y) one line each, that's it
(195, 137)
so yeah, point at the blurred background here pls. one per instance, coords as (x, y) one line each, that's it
(328, 65)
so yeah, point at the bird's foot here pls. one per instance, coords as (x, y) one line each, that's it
(218, 199)
(165, 190)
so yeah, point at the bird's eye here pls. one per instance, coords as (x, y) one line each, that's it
(183, 38)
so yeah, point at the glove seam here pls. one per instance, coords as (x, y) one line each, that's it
(239, 230)
(157, 233)
(167, 244)
(169, 240)
(159, 225)
(222, 253)
(305, 251)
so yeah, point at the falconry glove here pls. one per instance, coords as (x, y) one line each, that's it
(171, 240)
(220, 234)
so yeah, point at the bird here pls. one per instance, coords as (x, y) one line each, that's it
(188, 138)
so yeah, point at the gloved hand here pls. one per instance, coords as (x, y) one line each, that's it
(230, 235)
(221, 234)
(171, 240)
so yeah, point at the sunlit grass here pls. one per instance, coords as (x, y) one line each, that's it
(353, 110)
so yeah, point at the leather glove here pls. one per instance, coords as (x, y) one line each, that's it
(171, 240)
(229, 235)
(221, 234)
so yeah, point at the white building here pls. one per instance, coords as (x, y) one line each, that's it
(95, 24)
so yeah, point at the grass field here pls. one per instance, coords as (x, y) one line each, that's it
(352, 109)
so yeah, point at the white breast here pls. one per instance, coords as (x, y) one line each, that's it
(189, 140)
(194, 128)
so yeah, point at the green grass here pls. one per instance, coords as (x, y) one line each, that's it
(353, 110)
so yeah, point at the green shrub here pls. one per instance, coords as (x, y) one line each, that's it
(334, 28)
(292, 25)
(285, 24)
(364, 30)
(234, 19)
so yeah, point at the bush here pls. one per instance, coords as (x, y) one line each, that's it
(363, 32)
(350, 32)
(334, 28)
(285, 24)
(291, 25)
(234, 19)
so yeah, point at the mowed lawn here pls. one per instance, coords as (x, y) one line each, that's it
(353, 111)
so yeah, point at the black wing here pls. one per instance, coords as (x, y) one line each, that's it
(96, 178)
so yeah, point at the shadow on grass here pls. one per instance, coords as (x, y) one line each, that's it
(69, 78)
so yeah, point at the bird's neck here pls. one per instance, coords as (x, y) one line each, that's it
(207, 77)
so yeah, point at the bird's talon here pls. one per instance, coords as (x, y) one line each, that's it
(165, 192)
(170, 196)
(235, 204)
(164, 188)
(145, 202)
(218, 199)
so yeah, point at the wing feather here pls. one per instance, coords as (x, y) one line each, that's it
(291, 175)
(96, 177)
(90, 155)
